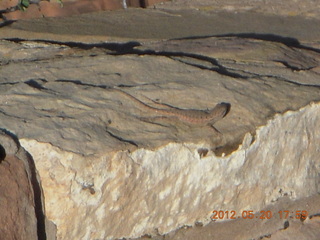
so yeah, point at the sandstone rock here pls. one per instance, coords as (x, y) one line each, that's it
(172, 186)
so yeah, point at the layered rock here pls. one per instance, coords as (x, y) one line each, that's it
(174, 186)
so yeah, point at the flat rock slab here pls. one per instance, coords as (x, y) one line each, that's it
(67, 91)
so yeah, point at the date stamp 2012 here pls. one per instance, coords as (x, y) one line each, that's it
(250, 214)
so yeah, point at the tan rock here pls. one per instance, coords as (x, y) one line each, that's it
(173, 186)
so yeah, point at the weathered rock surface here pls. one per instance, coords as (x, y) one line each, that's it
(107, 172)
(20, 201)
(174, 186)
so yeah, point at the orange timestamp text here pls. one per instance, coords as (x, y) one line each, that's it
(250, 214)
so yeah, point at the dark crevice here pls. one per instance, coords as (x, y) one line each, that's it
(143, 3)
(13, 137)
(264, 237)
(314, 215)
(37, 192)
(286, 224)
(115, 47)
(122, 139)
(288, 81)
(6, 23)
(78, 82)
(129, 48)
(2, 153)
(218, 67)
(126, 47)
(135, 85)
(288, 41)
(9, 83)
(292, 67)
(8, 115)
(34, 84)
(283, 79)
(38, 85)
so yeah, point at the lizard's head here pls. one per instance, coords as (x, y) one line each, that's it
(223, 108)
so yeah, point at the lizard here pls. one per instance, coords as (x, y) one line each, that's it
(193, 117)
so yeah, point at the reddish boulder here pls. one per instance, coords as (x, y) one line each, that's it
(20, 199)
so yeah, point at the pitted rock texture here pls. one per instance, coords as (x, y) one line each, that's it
(175, 186)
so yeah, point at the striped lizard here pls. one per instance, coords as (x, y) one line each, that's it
(189, 116)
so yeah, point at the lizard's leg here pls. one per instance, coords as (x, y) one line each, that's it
(159, 120)
(216, 130)
(153, 120)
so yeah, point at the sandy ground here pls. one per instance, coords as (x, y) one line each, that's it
(285, 222)
(304, 8)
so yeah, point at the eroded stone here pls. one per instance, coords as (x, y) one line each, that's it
(173, 186)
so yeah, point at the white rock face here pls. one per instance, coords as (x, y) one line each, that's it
(130, 194)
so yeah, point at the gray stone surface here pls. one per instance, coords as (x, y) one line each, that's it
(65, 90)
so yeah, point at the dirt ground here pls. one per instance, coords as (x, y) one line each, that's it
(305, 8)
(286, 219)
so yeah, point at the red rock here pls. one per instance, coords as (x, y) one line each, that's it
(69, 8)
(20, 199)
